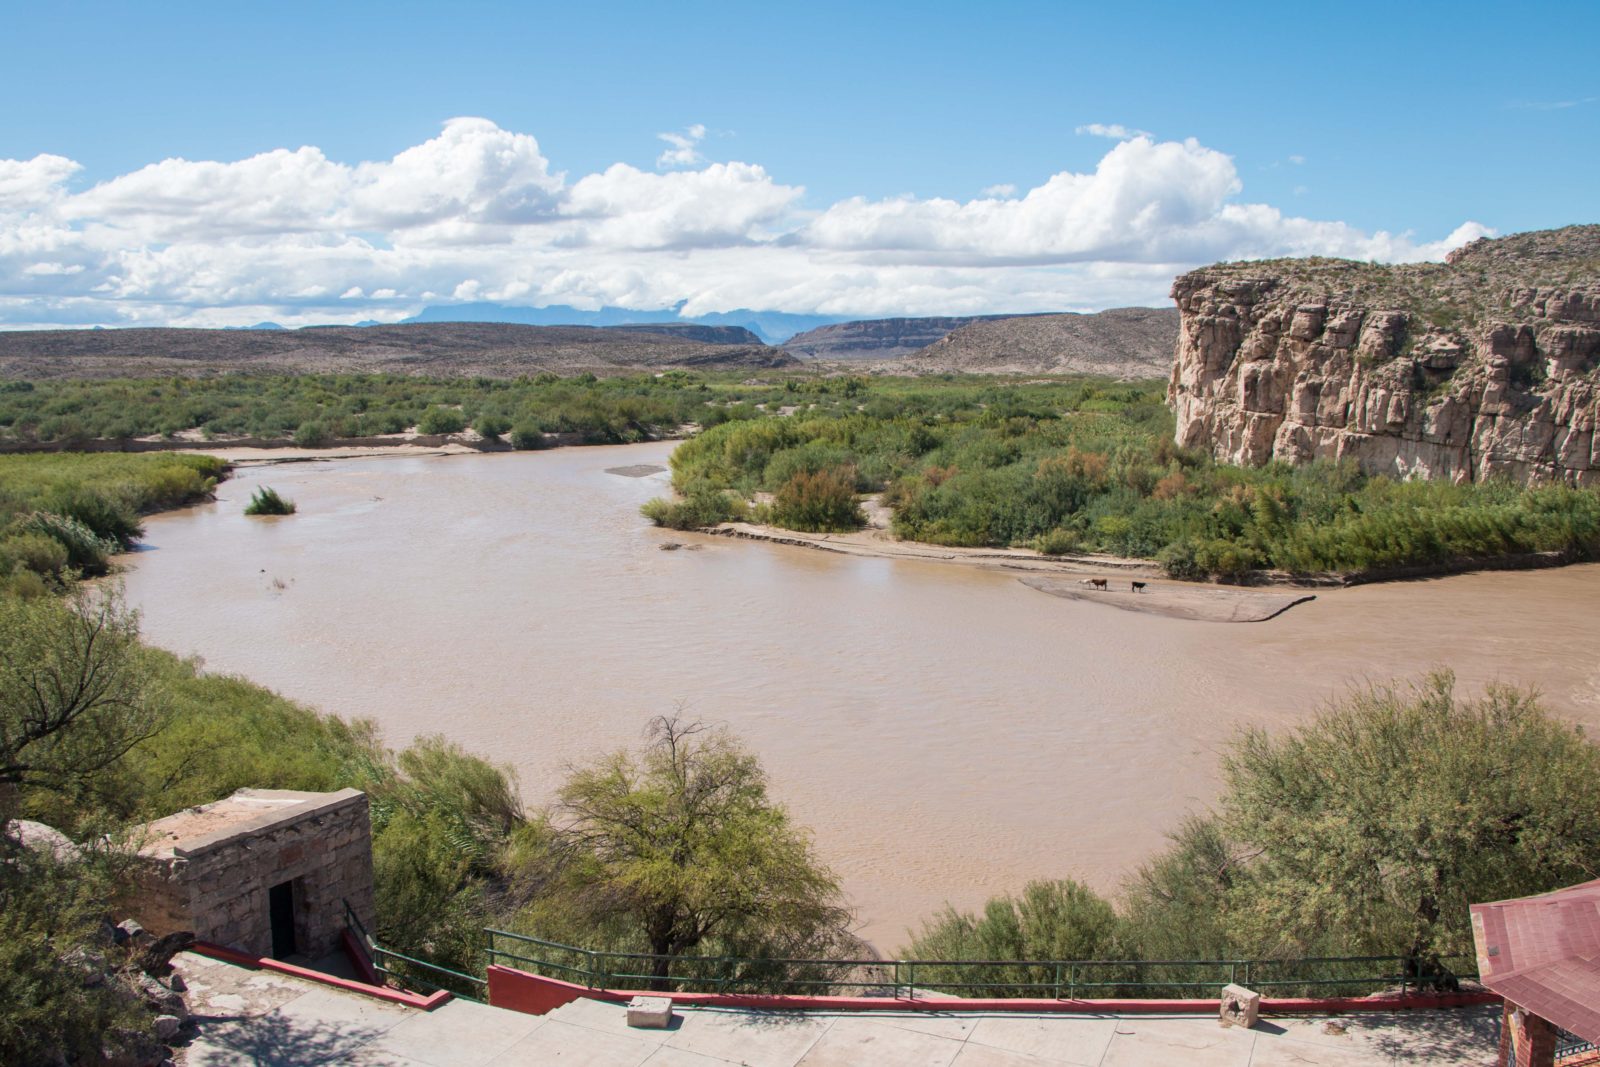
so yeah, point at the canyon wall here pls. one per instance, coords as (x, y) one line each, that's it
(1482, 366)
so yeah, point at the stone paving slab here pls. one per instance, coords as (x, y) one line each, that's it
(1079, 1040)
(563, 1043)
(1195, 1042)
(462, 1036)
(852, 1042)
(756, 1039)
(262, 1019)
(989, 1056)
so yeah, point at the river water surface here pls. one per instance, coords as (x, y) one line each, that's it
(946, 732)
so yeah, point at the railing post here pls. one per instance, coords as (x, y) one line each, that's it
(1072, 980)
(911, 980)
(1058, 981)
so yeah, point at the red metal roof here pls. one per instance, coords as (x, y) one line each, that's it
(1543, 954)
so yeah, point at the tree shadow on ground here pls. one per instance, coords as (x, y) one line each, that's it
(1457, 1035)
(275, 1040)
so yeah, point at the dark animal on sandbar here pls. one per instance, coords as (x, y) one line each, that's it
(1138, 587)
(1094, 583)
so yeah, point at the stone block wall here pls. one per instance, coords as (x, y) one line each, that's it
(218, 885)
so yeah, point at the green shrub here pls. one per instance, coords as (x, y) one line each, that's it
(439, 420)
(86, 551)
(50, 915)
(313, 434)
(1059, 920)
(490, 427)
(1057, 542)
(824, 502)
(528, 436)
(170, 486)
(109, 515)
(266, 501)
(700, 509)
(1179, 561)
(35, 552)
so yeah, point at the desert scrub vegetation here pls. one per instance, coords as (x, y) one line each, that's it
(70, 512)
(1367, 831)
(266, 501)
(314, 409)
(701, 508)
(1089, 466)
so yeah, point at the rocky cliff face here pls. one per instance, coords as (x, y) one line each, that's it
(1482, 366)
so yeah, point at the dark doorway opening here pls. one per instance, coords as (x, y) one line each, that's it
(280, 905)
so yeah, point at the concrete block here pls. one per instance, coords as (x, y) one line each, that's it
(650, 1013)
(1240, 1006)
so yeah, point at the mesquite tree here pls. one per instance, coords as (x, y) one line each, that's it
(682, 846)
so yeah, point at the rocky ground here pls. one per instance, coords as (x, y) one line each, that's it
(1487, 365)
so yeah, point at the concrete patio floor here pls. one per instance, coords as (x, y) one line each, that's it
(263, 1019)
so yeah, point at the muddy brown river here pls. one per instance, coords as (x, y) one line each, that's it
(946, 732)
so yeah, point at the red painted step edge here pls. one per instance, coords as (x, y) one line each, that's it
(536, 994)
(377, 992)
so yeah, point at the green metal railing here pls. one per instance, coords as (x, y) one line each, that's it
(412, 972)
(1044, 979)
(1327, 976)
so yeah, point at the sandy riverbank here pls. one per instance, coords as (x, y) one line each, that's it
(1062, 576)
(1177, 600)
(249, 457)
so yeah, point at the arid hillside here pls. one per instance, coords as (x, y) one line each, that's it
(444, 348)
(876, 338)
(1123, 343)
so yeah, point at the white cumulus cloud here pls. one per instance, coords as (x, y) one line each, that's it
(477, 212)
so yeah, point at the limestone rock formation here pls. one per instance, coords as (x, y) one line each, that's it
(1482, 366)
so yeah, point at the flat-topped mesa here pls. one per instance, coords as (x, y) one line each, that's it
(1485, 365)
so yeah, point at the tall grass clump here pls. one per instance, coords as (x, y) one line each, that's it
(266, 501)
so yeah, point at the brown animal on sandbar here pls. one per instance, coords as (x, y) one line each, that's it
(1094, 583)
(1138, 587)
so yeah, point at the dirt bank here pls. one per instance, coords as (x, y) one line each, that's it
(1177, 600)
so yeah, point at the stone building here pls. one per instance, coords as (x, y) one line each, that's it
(265, 871)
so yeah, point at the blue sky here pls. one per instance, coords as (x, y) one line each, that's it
(873, 136)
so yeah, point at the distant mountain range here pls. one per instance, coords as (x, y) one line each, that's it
(471, 339)
(772, 327)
